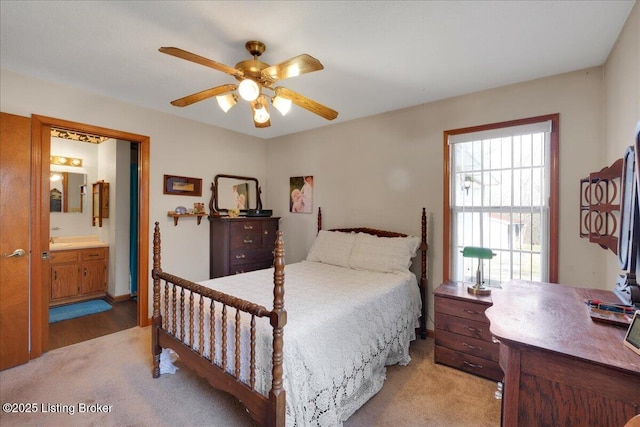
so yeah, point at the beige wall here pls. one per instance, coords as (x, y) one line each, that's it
(621, 101)
(380, 171)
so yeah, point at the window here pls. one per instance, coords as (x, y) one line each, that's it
(501, 192)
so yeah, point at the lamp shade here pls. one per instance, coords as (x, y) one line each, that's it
(282, 104)
(249, 90)
(261, 114)
(477, 252)
(226, 102)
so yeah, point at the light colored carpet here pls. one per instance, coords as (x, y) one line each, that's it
(114, 372)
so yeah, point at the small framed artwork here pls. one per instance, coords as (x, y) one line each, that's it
(182, 186)
(301, 194)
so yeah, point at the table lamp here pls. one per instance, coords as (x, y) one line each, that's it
(481, 253)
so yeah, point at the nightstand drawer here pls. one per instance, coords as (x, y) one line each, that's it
(462, 326)
(465, 309)
(468, 363)
(472, 346)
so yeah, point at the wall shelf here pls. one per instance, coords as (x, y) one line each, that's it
(177, 216)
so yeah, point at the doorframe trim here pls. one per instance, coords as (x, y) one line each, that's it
(40, 146)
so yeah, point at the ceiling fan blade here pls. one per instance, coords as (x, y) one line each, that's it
(296, 66)
(262, 100)
(202, 95)
(307, 103)
(183, 54)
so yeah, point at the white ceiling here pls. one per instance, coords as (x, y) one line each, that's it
(378, 56)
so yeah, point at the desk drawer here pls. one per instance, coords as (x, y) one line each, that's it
(465, 309)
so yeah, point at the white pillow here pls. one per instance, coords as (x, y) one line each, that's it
(332, 247)
(385, 254)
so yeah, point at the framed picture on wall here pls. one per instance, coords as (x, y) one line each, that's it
(301, 194)
(182, 186)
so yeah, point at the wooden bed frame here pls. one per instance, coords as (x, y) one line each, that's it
(267, 411)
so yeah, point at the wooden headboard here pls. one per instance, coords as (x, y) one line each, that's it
(423, 254)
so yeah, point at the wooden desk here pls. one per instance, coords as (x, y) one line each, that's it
(561, 368)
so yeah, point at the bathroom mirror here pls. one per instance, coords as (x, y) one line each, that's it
(234, 192)
(67, 192)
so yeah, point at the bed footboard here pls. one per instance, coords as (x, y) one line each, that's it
(195, 303)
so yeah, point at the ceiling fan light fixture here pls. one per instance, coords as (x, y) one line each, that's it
(260, 115)
(249, 90)
(281, 104)
(226, 102)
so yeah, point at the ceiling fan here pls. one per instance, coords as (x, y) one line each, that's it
(254, 76)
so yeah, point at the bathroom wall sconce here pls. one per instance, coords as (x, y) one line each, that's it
(65, 161)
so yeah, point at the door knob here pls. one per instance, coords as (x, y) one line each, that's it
(17, 252)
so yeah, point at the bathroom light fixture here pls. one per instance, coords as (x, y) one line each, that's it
(226, 102)
(65, 161)
(466, 183)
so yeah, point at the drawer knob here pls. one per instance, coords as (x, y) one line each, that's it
(248, 227)
(495, 340)
(241, 256)
(247, 241)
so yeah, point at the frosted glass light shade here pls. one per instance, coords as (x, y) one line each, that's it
(226, 102)
(249, 90)
(282, 104)
(261, 114)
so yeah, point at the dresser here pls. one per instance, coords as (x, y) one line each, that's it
(239, 245)
(561, 367)
(462, 337)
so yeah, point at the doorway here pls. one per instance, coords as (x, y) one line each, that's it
(41, 134)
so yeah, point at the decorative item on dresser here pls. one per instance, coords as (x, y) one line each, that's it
(238, 245)
(463, 340)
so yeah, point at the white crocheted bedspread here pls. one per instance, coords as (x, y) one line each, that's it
(343, 327)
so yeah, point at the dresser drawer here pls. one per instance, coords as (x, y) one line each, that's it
(247, 256)
(462, 326)
(245, 227)
(465, 309)
(468, 363)
(244, 268)
(245, 241)
(475, 347)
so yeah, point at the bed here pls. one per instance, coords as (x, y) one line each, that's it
(353, 306)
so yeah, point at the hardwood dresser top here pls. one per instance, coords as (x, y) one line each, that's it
(554, 317)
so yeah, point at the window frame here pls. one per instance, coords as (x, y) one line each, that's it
(554, 186)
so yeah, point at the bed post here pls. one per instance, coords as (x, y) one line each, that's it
(277, 394)
(319, 219)
(423, 276)
(157, 318)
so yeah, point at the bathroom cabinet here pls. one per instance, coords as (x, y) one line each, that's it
(78, 274)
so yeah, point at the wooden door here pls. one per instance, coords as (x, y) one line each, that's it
(15, 178)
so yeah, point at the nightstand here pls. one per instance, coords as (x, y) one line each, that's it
(463, 340)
